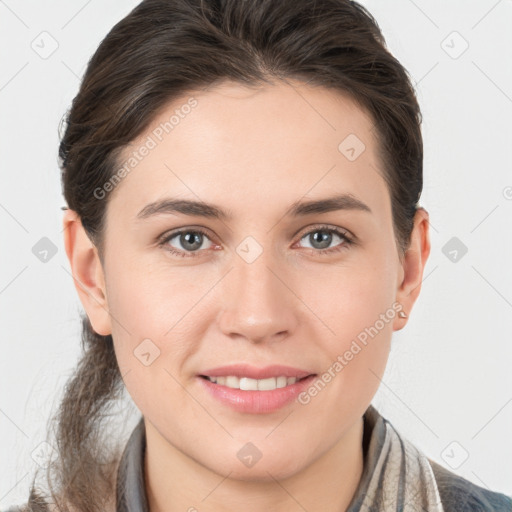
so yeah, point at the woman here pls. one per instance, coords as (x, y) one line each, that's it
(242, 180)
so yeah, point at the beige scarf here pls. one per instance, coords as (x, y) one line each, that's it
(396, 476)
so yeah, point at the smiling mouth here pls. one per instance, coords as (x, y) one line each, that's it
(248, 384)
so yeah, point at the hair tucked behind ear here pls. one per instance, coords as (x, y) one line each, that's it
(85, 463)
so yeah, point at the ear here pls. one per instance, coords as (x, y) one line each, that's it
(87, 272)
(413, 265)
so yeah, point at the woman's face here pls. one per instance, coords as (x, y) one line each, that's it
(266, 284)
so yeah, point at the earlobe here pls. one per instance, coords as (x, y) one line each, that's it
(87, 272)
(413, 266)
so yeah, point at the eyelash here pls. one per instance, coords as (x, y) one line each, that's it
(347, 241)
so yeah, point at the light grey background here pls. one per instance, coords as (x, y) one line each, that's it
(448, 385)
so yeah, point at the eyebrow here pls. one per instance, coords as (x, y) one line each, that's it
(297, 209)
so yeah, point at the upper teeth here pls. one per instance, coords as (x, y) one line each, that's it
(246, 384)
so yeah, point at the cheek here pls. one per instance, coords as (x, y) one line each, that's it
(357, 354)
(147, 301)
(352, 297)
(153, 329)
(355, 303)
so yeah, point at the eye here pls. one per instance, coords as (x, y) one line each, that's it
(190, 240)
(322, 237)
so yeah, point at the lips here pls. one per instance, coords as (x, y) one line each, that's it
(252, 372)
(260, 401)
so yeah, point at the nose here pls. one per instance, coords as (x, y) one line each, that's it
(258, 303)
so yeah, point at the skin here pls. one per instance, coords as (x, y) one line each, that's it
(252, 152)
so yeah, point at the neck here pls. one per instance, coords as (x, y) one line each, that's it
(175, 482)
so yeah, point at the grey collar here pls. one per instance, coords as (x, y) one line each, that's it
(131, 488)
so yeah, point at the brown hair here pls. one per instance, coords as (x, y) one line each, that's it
(160, 51)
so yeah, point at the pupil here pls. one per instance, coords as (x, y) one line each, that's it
(324, 240)
(194, 244)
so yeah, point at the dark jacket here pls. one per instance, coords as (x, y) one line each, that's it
(457, 494)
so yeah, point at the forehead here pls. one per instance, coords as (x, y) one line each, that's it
(270, 144)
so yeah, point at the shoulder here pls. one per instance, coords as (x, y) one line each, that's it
(461, 495)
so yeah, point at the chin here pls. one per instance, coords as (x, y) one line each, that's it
(267, 473)
(264, 470)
